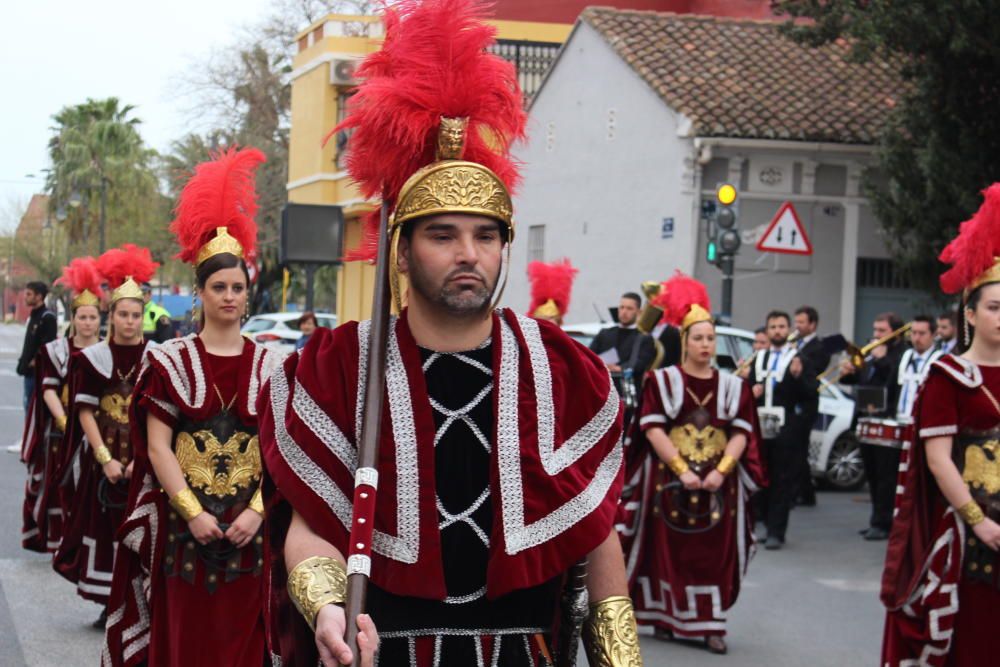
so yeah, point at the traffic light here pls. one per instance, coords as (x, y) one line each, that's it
(727, 237)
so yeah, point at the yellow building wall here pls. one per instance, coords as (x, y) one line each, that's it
(313, 175)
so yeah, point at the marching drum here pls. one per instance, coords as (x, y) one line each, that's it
(881, 432)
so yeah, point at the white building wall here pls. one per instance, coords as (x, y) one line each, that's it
(603, 167)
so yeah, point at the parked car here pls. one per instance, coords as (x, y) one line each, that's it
(834, 452)
(281, 330)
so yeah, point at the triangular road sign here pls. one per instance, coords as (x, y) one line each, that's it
(786, 234)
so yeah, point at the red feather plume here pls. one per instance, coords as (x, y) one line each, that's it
(82, 274)
(551, 281)
(220, 193)
(434, 62)
(976, 247)
(678, 295)
(128, 261)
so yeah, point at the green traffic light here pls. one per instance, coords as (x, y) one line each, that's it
(711, 252)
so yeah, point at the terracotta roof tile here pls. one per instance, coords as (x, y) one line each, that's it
(741, 78)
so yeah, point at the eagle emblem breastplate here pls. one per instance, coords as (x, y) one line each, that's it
(220, 459)
(977, 455)
(698, 441)
(112, 419)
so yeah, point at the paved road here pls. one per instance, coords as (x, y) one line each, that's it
(813, 603)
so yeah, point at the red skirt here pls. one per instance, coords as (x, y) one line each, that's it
(87, 554)
(42, 514)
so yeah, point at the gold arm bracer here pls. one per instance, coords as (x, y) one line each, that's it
(315, 583)
(102, 455)
(971, 513)
(186, 504)
(60, 423)
(610, 636)
(257, 502)
(726, 465)
(678, 465)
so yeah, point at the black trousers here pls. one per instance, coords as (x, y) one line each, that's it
(784, 470)
(881, 470)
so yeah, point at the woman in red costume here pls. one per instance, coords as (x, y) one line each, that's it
(47, 414)
(693, 465)
(101, 382)
(193, 538)
(940, 583)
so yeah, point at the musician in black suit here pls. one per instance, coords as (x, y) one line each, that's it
(813, 353)
(634, 349)
(881, 463)
(785, 388)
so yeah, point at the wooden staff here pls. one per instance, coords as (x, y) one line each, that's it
(366, 477)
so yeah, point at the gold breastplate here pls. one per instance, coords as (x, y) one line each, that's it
(216, 468)
(700, 447)
(978, 457)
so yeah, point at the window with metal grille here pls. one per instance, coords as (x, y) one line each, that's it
(532, 60)
(536, 243)
(881, 273)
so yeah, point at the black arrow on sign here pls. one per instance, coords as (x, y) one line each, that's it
(779, 234)
(794, 234)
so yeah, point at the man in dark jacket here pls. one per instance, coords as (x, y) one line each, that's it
(624, 346)
(785, 388)
(881, 463)
(41, 329)
(813, 353)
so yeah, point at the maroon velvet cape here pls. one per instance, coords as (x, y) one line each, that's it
(922, 578)
(139, 565)
(555, 470)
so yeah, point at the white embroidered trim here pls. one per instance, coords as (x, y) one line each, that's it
(937, 431)
(265, 361)
(310, 414)
(653, 419)
(58, 351)
(729, 392)
(743, 424)
(969, 375)
(99, 356)
(171, 357)
(670, 382)
(167, 407)
(518, 535)
(87, 398)
(459, 632)
(364, 332)
(51, 382)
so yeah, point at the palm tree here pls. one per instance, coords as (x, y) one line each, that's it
(97, 153)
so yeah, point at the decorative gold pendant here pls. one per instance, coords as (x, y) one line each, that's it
(221, 469)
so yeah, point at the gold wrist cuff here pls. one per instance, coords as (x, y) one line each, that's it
(726, 465)
(610, 636)
(102, 455)
(971, 513)
(60, 423)
(678, 465)
(257, 502)
(315, 583)
(186, 504)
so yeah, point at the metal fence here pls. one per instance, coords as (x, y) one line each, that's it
(532, 60)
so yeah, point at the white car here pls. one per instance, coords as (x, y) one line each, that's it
(834, 452)
(281, 330)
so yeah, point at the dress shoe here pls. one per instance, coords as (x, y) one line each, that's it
(101, 621)
(876, 534)
(663, 634)
(773, 543)
(716, 645)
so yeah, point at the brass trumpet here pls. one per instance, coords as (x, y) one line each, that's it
(859, 356)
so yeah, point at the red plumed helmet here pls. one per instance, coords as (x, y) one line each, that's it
(552, 281)
(128, 261)
(82, 274)
(975, 250)
(678, 295)
(433, 63)
(220, 193)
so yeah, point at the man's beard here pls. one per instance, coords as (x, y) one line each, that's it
(457, 301)
(779, 341)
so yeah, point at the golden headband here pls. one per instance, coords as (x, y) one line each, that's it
(85, 298)
(696, 314)
(548, 310)
(129, 289)
(221, 243)
(989, 276)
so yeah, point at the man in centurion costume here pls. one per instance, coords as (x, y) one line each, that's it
(499, 466)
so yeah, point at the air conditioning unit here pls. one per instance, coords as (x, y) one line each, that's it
(342, 72)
